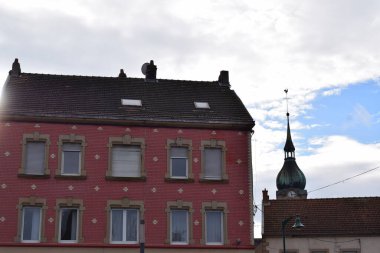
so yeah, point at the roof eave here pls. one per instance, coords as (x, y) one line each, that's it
(231, 125)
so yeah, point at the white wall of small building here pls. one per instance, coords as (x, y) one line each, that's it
(331, 244)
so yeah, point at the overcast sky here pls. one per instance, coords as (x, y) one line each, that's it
(325, 52)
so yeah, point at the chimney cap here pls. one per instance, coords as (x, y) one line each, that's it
(150, 71)
(16, 68)
(224, 78)
(122, 74)
(265, 196)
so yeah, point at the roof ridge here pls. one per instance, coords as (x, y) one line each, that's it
(339, 198)
(116, 77)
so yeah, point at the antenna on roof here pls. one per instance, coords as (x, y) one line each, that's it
(144, 67)
(150, 71)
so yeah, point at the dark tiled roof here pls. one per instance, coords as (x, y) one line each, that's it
(98, 99)
(324, 217)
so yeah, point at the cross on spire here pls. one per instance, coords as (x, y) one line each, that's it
(286, 98)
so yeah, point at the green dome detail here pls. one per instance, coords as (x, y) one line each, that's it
(290, 176)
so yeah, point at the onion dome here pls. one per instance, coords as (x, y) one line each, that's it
(290, 176)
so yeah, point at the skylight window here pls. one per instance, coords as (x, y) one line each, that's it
(202, 105)
(131, 102)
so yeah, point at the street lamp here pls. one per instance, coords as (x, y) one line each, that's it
(298, 224)
(142, 236)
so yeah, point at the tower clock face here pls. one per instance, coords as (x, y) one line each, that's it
(292, 194)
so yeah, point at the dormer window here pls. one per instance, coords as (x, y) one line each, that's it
(202, 105)
(131, 102)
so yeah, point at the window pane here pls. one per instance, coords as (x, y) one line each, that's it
(214, 227)
(213, 163)
(117, 225)
(178, 162)
(179, 226)
(124, 225)
(178, 152)
(131, 226)
(126, 161)
(69, 224)
(35, 158)
(179, 167)
(31, 223)
(71, 158)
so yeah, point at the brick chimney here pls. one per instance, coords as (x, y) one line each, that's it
(151, 71)
(224, 79)
(265, 196)
(16, 69)
(122, 74)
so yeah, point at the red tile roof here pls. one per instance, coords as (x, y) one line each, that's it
(324, 217)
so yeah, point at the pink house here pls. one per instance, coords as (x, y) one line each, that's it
(120, 164)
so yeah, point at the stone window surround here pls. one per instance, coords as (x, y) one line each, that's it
(123, 203)
(180, 205)
(182, 143)
(213, 143)
(69, 203)
(35, 137)
(126, 140)
(32, 202)
(71, 138)
(214, 206)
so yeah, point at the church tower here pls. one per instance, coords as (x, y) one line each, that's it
(290, 180)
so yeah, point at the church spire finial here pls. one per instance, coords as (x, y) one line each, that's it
(286, 98)
(290, 180)
(289, 147)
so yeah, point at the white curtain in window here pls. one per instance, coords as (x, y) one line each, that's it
(31, 223)
(71, 153)
(117, 225)
(213, 163)
(179, 221)
(126, 161)
(214, 227)
(35, 158)
(131, 225)
(124, 225)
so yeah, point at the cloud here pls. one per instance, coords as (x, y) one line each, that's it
(361, 115)
(332, 92)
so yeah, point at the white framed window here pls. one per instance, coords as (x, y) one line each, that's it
(201, 105)
(124, 226)
(35, 150)
(126, 161)
(31, 224)
(213, 163)
(71, 159)
(179, 226)
(179, 162)
(35, 158)
(131, 102)
(68, 225)
(214, 227)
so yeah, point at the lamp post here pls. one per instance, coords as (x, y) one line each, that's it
(298, 224)
(142, 236)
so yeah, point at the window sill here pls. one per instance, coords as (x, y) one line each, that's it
(217, 181)
(138, 179)
(179, 180)
(79, 177)
(22, 175)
